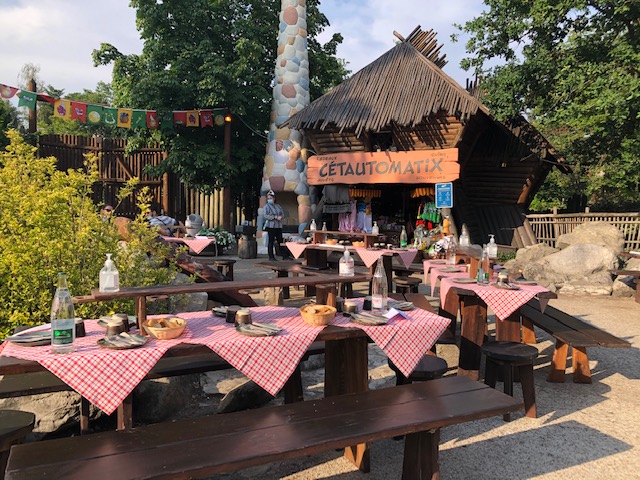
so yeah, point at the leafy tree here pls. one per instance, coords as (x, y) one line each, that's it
(206, 53)
(9, 118)
(572, 66)
(48, 224)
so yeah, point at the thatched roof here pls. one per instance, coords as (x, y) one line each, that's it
(403, 86)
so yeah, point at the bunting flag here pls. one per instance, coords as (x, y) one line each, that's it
(121, 117)
(206, 118)
(6, 91)
(27, 99)
(138, 119)
(124, 117)
(110, 116)
(166, 123)
(62, 109)
(193, 119)
(180, 117)
(94, 114)
(79, 111)
(152, 120)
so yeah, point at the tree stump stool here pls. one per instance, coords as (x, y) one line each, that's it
(430, 367)
(14, 426)
(505, 357)
(406, 284)
(225, 267)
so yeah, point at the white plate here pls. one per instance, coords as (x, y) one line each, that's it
(464, 280)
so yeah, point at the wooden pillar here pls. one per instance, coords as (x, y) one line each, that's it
(33, 114)
(226, 200)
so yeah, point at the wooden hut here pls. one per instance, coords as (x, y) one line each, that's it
(403, 102)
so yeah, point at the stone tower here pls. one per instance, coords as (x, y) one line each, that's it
(284, 169)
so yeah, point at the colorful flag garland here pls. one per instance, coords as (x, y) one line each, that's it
(120, 117)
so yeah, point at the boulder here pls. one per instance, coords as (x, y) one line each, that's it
(245, 396)
(623, 286)
(528, 255)
(162, 399)
(596, 233)
(581, 260)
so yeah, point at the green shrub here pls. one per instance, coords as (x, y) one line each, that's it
(48, 223)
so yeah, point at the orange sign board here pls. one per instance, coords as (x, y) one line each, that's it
(417, 166)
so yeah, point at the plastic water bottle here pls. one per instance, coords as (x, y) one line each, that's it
(109, 276)
(63, 328)
(379, 289)
(346, 265)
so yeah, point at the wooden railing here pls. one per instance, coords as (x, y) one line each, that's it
(548, 227)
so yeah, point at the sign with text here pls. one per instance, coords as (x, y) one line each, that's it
(444, 195)
(416, 166)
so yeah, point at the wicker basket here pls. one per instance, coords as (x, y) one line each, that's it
(165, 328)
(322, 316)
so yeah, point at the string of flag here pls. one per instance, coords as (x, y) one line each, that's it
(117, 117)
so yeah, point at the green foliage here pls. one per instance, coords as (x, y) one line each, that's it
(9, 118)
(223, 238)
(201, 54)
(48, 224)
(572, 67)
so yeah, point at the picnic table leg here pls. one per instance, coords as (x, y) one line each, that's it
(528, 332)
(581, 370)
(472, 333)
(421, 456)
(141, 312)
(450, 310)
(125, 413)
(346, 371)
(508, 329)
(285, 290)
(559, 362)
(84, 415)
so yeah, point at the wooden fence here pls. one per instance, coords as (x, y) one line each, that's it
(548, 227)
(116, 168)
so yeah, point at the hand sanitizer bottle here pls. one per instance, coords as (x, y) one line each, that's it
(346, 265)
(313, 226)
(109, 276)
(375, 230)
(492, 248)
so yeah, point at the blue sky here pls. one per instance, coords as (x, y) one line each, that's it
(59, 35)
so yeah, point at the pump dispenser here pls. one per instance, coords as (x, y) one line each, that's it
(375, 230)
(346, 265)
(492, 247)
(109, 276)
(464, 237)
(313, 225)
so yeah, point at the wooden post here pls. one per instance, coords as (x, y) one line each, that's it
(226, 197)
(33, 117)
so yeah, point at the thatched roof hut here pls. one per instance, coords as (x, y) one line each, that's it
(404, 102)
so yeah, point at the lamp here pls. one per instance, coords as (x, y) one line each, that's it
(227, 117)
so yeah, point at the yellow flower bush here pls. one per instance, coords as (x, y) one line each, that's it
(48, 223)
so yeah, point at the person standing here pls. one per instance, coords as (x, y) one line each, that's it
(273, 214)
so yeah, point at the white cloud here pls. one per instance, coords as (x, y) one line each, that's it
(59, 35)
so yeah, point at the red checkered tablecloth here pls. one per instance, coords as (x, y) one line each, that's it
(406, 257)
(403, 340)
(268, 361)
(296, 249)
(103, 376)
(369, 257)
(503, 302)
(436, 272)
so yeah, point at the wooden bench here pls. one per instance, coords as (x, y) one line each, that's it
(568, 331)
(229, 442)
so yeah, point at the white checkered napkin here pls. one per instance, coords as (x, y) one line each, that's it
(504, 302)
(268, 361)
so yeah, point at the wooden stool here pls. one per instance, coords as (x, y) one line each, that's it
(225, 267)
(14, 426)
(430, 367)
(406, 284)
(504, 357)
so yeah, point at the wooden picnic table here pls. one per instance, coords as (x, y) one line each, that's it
(140, 294)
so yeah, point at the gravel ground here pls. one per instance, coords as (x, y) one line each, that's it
(582, 431)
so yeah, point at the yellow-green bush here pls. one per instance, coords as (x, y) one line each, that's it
(48, 223)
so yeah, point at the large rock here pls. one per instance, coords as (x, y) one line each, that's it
(581, 260)
(528, 255)
(597, 233)
(162, 399)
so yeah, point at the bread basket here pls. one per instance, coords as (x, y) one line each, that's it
(318, 315)
(165, 328)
